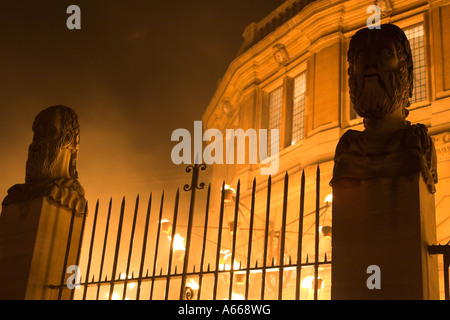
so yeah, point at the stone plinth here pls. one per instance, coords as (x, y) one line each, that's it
(33, 241)
(388, 222)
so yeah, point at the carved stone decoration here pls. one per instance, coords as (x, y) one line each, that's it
(227, 108)
(366, 156)
(383, 180)
(381, 82)
(442, 143)
(280, 54)
(385, 7)
(51, 168)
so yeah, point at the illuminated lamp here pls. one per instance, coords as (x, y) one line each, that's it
(325, 231)
(166, 226)
(229, 193)
(308, 283)
(224, 259)
(178, 247)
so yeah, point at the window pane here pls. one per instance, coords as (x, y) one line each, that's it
(275, 103)
(298, 108)
(415, 36)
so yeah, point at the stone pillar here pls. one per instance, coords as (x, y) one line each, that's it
(33, 241)
(383, 180)
(388, 222)
(39, 216)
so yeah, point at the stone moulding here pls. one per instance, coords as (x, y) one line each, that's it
(65, 192)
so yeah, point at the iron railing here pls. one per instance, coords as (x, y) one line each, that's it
(445, 251)
(233, 274)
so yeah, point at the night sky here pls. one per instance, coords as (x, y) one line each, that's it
(135, 72)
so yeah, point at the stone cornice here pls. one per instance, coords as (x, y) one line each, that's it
(317, 25)
(256, 63)
(257, 31)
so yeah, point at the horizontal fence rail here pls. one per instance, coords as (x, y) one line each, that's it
(270, 269)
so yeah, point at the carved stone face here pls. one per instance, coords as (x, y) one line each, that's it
(379, 81)
(49, 155)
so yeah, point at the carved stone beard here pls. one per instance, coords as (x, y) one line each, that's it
(42, 157)
(378, 99)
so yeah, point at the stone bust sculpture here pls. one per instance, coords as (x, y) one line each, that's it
(381, 84)
(52, 158)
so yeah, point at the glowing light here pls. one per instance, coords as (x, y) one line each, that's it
(329, 198)
(227, 266)
(289, 268)
(224, 255)
(166, 226)
(178, 243)
(115, 296)
(178, 246)
(228, 187)
(225, 263)
(256, 271)
(235, 296)
(229, 192)
(308, 283)
(325, 231)
(131, 285)
(193, 284)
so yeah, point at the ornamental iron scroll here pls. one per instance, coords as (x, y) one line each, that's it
(194, 185)
(194, 182)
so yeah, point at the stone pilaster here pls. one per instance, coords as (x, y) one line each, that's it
(387, 222)
(33, 241)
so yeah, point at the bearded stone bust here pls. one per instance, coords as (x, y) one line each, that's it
(381, 84)
(52, 159)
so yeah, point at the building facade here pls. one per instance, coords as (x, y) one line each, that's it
(291, 74)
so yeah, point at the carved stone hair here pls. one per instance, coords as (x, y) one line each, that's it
(70, 132)
(401, 44)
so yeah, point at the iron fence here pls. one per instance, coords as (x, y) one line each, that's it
(279, 266)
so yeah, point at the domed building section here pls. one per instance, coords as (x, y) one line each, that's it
(290, 75)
